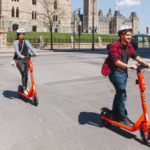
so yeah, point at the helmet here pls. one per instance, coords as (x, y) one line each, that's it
(124, 28)
(20, 31)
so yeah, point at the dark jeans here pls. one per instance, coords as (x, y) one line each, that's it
(24, 69)
(119, 81)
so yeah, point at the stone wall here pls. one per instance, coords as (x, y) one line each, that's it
(42, 45)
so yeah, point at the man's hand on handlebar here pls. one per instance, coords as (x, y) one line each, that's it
(134, 67)
(148, 65)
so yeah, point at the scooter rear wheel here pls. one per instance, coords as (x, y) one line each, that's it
(145, 141)
(20, 89)
(36, 100)
(105, 113)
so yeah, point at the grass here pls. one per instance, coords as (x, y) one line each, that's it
(64, 36)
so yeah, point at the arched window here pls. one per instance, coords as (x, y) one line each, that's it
(34, 28)
(15, 27)
(13, 12)
(34, 2)
(17, 12)
(35, 14)
(54, 18)
(55, 5)
(32, 14)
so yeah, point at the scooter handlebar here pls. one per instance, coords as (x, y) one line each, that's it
(140, 66)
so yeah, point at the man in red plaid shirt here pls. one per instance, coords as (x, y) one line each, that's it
(115, 66)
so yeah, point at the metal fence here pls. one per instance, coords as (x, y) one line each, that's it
(145, 43)
(31, 40)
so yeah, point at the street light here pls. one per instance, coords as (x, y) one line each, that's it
(93, 28)
(74, 28)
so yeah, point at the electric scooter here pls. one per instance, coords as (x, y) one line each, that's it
(142, 124)
(32, 92)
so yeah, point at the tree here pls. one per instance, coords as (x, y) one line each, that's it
(52, 12)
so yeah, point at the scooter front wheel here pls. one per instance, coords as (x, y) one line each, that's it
(105, 112)
(145, 141)
(36, 100)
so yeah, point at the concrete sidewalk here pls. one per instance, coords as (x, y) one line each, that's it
(12, 50)
(63, 50)
(55, 50)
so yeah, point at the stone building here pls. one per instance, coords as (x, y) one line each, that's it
(108, 24)
(28, 14)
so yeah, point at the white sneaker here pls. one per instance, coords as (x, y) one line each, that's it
(25, 92)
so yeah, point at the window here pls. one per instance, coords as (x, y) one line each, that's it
(54, 18)
(17, 12)
(15, 0)
(35, 15)
(34, 2)
(13, 12)
(55, 5)
(15, 27)
(34, 28)
(32, 14)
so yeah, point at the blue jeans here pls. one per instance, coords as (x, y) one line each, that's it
(119, 81)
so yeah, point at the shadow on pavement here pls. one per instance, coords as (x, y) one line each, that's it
(90, 118)
(94, 119)
(14, 95)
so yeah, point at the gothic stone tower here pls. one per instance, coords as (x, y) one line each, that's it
(88, 15)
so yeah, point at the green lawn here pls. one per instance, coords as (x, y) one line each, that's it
(33, 36)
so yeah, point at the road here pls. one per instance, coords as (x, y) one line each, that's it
(71, 91)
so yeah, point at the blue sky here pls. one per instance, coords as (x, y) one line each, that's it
(142, 10)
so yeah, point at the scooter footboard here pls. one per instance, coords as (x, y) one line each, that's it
(137, 126)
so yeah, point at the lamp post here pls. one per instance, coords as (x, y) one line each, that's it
(54, 23)
(93, 28)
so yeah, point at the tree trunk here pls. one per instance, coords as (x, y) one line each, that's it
(51, 38)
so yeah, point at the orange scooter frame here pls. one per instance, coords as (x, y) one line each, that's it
(32, 92)
(142, 123)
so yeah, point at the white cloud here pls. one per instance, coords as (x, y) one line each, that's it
(129, 3)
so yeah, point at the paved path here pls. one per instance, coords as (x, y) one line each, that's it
(71, 90)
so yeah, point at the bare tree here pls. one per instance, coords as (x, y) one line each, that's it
(53, 12)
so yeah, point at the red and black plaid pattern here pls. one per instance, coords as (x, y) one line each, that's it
(115, 53)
